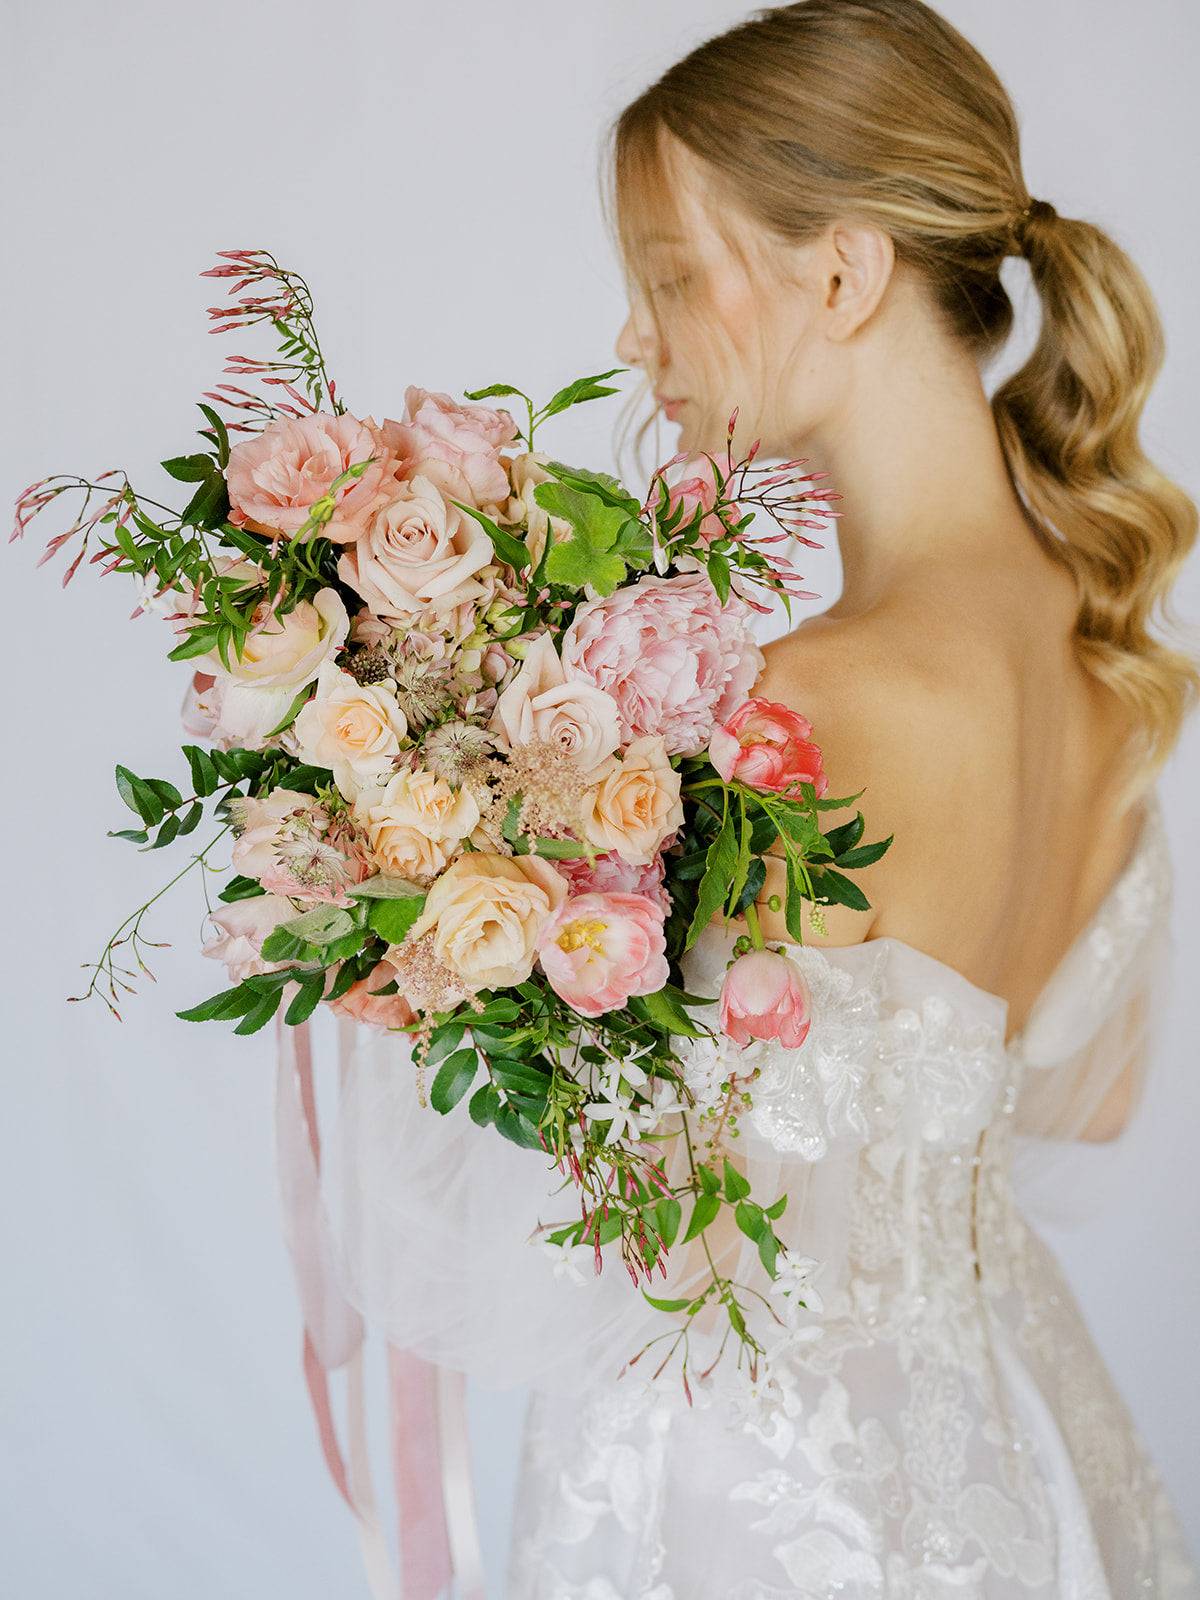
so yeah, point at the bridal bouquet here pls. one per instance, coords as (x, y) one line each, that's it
(478, 727)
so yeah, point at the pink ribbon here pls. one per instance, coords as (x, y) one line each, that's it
(430, 1442)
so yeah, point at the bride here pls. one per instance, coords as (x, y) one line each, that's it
(814, 209)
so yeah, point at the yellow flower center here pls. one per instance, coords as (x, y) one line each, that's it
(582, 932)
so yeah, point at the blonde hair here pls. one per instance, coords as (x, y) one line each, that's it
(880, 109)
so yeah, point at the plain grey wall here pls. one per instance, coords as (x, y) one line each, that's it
(431, 170)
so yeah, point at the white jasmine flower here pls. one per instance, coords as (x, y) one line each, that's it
(793, 1279)
(614, 1107)
(568, 1259)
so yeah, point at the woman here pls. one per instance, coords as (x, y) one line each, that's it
(815, 208)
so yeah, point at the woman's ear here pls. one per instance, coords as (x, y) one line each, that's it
(856, 267)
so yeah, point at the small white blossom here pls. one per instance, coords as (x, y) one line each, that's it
(614, 1108)
(793, 1279)
(569, 1259)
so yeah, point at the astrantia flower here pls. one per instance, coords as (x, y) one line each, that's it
(458, 751)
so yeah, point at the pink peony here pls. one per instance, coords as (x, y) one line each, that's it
(241, 929)
(611, 874)
(363, 1002)
(767, 746)
(764, 996)
(598, 949)
(694, 494)
(466, 437)
(672, 657)
(276, 478)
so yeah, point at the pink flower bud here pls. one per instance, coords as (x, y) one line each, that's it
(764, 996)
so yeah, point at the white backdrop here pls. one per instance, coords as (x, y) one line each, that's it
(431, 169)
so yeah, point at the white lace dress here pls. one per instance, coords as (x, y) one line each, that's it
(952, 1434)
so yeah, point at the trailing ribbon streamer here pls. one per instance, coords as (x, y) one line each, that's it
(430, 1441)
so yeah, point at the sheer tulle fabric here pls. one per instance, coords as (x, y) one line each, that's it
(439, 1226)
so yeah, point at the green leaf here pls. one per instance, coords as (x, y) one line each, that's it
(558, 849)
(865, 853)
(240, 888)
(601, 484)
(845, 836)
(386, 887)
(718, 576)
(392, 918)
(216, 1006)
(756, 876)
(749, 1218)
(737, 1185)
(289, 716)
(833, 886)
(209, 506)
(125, 788)
(768, 1249)
(189, 469)
(793, 910)
(709, 1181)
(581, 389)
(703, 1212)
(492, 390)
(777, 1208)
(167, 792)
(167, 832)
(220, 433)
(665, 1011)
(587, 555)
(666, 1305)
(520, 1131)
(719, 866)
(204, 774)
(195, 812)
(512, 550)
(261, 1013)
(668, 1214)
(319, 926)
(483, 1105)
(306, 1000)
(135, 835)
(454, 1077)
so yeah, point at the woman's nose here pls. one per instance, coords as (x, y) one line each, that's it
(633, 346)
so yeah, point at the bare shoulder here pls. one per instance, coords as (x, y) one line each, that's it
(893, 721)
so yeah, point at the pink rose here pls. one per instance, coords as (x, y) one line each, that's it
(542, 703)
(764, 996)
(466, 437)
(672, 657)
(363, 1002)
(598, 949)
(767, 746)
(276, 478)
(420, 555)
(612, 874)
(696, 494)
(241, 929)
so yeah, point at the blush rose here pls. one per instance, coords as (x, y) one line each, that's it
(276, 478)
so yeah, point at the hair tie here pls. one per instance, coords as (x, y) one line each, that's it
(1034, 211)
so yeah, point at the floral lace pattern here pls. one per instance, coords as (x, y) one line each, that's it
(952, 1433)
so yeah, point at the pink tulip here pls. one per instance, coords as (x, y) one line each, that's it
(598, 949)
(764, 996)
(766, 746)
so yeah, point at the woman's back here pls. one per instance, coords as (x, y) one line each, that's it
(957, 700)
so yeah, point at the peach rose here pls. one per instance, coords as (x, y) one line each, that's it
(634, 802)
(364, 1003)
(241, 929)
(487, 913)
(277, 477)
(414, 822)
(420, 555)
(540, 703)
(253, 695)
(352, 728)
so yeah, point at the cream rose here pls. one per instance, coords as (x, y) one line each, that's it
(352, 728)
(420, 554)
(634, 803)
(284, 655)
(487, 913)
(541, 703)
(414, 822)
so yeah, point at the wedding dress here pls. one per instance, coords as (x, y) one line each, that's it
(943, 1428)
